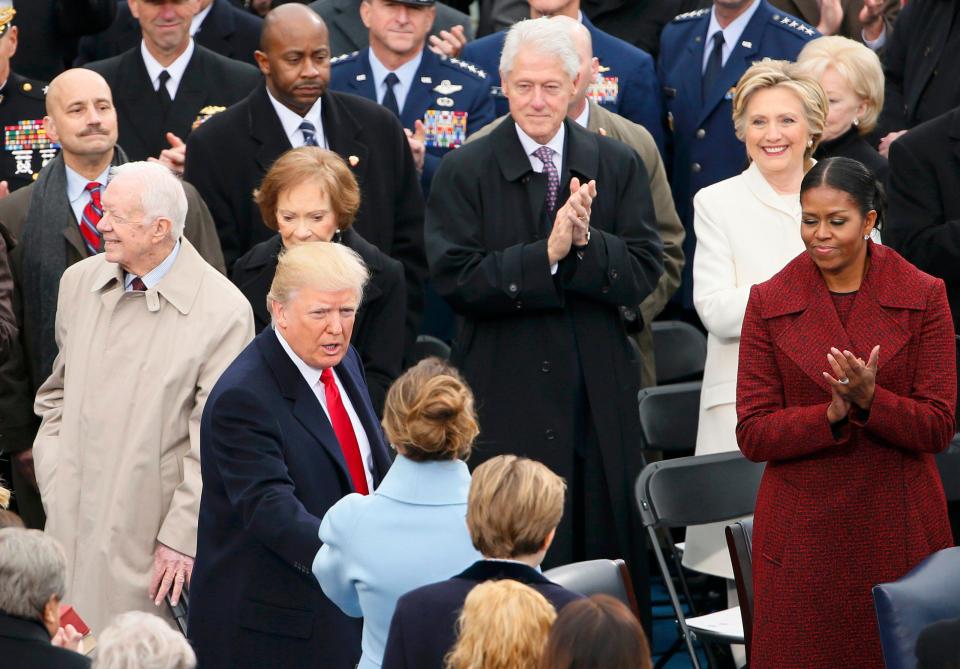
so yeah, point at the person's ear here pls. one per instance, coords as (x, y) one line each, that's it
(549, 540)
(262, 62)
(365, 10)
(51, 615)
(161, 229)
(276, 310)
(869, 222)
(50, 127)
(11, 38)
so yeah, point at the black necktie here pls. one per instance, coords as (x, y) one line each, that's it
(163, 93)
(714, 65)
(389, 99)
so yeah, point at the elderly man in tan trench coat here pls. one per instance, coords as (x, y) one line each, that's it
(144, 331)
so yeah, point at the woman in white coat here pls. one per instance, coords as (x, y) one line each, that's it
(747, 228)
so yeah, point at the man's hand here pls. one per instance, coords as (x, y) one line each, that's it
(174, 157)
(831, 16)
(170, 568)
(68, 637)
(871, 19)
(4, 189)
(888, 140)
(417, 139)
(23, 463)
(582, 207)
(449, 43)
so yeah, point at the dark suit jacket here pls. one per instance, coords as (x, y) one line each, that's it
(923, 215)
(229, 154)
(26, 643)
(227, 30)
(378, 329)
(536, 347)
(210, 79)
(423, 628)
(272, 467)
(348, 34)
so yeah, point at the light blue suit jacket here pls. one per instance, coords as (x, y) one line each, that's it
(410, 532)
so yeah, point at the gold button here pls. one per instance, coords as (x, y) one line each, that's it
(28, 86)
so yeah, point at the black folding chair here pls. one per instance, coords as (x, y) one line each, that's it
(948, 462)
(669, 416)
(597, 577)
(680, 351)
(427, 346)
(740, 544)
(694, 491)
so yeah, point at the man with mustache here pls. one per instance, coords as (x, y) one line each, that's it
(229, 154)
(162, 84)
(54, 222)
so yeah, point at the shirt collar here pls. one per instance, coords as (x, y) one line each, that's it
(584, 117)
(291, 120)
(77, 184)
(174, 69)
(732, 33)
(405, 73)
(310, 375)
(152, 278)
(530, 145)
(198, 19)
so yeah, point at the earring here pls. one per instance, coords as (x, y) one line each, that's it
(856, 121)
(809, 142)
(866, 237)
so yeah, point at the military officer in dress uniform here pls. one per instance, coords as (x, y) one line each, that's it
(627, 83)
(439, 100)
(703, 54)
(26, 147)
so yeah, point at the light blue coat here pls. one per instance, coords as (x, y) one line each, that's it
(410, 532)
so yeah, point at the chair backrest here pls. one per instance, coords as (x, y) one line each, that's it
(669, 416)
(948, 463)
(740, 545)
(680, 351)
(697, 489)
(427, 346)
(928, 593)
(597, 577)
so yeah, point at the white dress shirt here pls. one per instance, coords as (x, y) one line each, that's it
(312, 377)
(405, 73)
(731, 34)
(291, 120)
(77, 192)
(152, 278)
(198, 19)
(174, 69)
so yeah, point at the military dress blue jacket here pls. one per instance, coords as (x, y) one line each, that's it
(448, 95)
(628, 84)
(702, 147)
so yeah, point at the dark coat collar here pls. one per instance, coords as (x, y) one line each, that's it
(14, 627)
(488, 570)
(581, 154)
(799, 289)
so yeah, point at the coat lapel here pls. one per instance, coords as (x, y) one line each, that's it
(266, 130)
(343, 135)
(140, 99)
(421, 95)
(742, 56)
(515, 166)
(368, 419)
(217, 28)
(364, 86)
(191, 94)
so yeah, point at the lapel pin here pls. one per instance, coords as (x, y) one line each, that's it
(426, 80)
(746, 45)
(353, 160)
(361, 77)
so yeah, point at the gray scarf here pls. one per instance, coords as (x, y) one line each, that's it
(45, 260)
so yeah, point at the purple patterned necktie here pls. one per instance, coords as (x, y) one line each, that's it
(545, 154)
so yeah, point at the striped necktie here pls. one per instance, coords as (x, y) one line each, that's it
(309, 131)
(91, 215)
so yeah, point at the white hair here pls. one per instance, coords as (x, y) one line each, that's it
(541, 35)
(139, 640)
(161, 193)
(33, 567)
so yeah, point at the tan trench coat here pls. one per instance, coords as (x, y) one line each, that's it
(118, 453)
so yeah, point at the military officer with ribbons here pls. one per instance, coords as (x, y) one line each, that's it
(703, 54)
(26, 147)
(439, 100)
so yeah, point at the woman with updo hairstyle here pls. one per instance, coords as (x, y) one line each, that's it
(846, 389)
(504, 625)
(412, 530)
(747, 228)
(310, 195)
(599, 632)
(852, 78)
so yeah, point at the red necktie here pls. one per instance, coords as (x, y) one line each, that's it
(343, 428)
(91, 215)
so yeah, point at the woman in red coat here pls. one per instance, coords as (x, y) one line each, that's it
(846, 389)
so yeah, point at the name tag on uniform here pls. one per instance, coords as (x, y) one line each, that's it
(605, 90)
(445, 129)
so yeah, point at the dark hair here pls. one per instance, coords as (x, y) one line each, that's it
(596, 633)
(853, 178)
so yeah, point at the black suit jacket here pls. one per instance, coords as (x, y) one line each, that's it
(378, 329)
(348, 34)
(423, 628)
(923, 214)
(227, 30)
(26, 643)
(210, 79)
(229, 154)
(272, 467)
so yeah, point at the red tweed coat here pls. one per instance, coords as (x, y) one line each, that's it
(835, 516)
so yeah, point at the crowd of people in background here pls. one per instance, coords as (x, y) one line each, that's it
(229, 228)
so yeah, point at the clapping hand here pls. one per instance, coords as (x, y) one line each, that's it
(572, 223)
(449, 43)
(853, 380)
(831, 16)
(417, 139)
